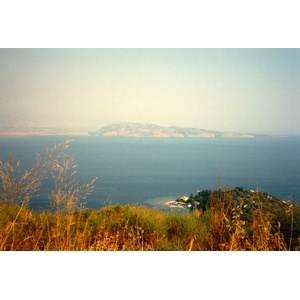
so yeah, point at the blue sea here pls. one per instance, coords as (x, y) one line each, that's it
(149, 171)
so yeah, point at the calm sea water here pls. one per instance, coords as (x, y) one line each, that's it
(147, 170)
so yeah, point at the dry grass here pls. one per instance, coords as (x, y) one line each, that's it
(129, 227)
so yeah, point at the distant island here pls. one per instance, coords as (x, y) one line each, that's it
(152, 130)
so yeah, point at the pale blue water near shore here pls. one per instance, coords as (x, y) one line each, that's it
(151, 170)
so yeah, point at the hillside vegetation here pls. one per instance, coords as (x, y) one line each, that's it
(225, 219)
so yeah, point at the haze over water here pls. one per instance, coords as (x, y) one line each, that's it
(239, 90)
(232, 90)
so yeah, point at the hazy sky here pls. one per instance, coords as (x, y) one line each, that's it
(243, 90)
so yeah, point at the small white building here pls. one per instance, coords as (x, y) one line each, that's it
(184, 198)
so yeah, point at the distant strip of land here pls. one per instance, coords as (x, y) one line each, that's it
(126, 130)
(43, 133)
